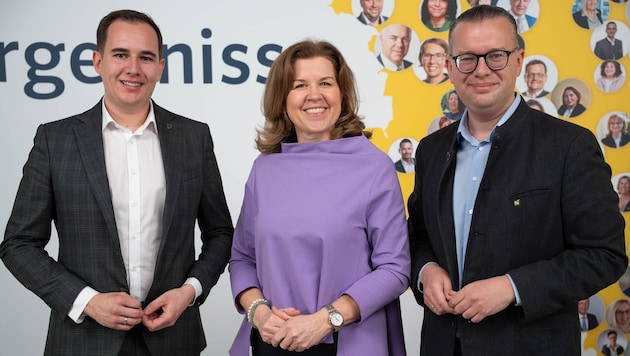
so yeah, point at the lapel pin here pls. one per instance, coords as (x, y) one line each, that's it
(169, 126)
(517, 202)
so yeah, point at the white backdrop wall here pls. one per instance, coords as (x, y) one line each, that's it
(38, 40)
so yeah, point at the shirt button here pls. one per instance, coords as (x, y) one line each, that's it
(470, 211)
(474, 179)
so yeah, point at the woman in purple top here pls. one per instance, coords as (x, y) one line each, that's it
(320, 252)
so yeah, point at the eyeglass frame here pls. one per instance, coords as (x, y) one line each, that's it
(427, 56)
(535, 75)
(508, 53)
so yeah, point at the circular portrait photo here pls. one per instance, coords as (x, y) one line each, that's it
(452, 106)
(539, 77)
(432, 58)
(525, 12)
(624, 281)
(618, 316)
(621, 183)
(482, 2)
(439, 122)
(438, 15)
(590, 14)
(402, 153)
(590, 312)
(611, 42)
(572, 97)
(543, 104)
(612, 130)
(396, 46)
(609, 76)
(612, 342)
(372, 12)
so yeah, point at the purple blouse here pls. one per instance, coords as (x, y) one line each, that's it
(320, 220)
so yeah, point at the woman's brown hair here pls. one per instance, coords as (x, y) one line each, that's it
(278, 127)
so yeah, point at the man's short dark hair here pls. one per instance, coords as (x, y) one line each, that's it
(534, 62)
(130, 16)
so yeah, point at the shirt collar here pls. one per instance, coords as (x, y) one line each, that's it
(464, 133)
(109, 121)
(367, 21)
(390, 65)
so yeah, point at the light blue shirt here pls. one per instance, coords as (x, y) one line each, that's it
(472, 157)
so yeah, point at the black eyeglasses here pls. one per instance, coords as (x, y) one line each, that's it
(495, 60)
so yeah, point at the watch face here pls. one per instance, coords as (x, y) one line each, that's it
(336, 319)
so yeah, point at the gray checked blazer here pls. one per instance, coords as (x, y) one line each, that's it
(65, 182)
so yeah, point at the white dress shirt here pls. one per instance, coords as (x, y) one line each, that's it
(409, 167)
(135, 172)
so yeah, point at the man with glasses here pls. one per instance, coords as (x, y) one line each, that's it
(432, 57)
(535, 78)
(612, 348)
(513, 218)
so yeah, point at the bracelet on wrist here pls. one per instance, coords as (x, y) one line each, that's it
(252, 309)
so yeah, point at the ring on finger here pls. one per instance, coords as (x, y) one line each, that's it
(126, 320)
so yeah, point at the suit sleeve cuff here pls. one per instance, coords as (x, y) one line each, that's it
(516, 295)
(198, 289)
(82, 300)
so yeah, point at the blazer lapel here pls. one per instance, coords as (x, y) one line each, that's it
(445, 208)
(90, 142)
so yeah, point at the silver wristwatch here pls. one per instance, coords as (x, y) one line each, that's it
(335, 319)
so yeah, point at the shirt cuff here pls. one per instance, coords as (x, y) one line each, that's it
(198, 289)
(82, 300)
(419, 286)
(516, 295)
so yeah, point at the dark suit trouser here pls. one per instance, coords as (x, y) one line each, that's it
(458, 348)
(134, 344)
